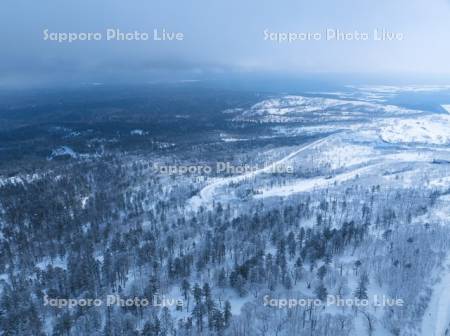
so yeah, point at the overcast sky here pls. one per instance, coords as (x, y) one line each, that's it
(220, 36)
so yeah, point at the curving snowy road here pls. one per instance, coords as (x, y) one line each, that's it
(207, 193)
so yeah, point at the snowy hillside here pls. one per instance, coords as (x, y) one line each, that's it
(299, 108)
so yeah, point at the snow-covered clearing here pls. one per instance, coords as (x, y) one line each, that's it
(434, 130)
(320, 182)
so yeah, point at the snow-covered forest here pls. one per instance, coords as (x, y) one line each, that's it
(354, 241)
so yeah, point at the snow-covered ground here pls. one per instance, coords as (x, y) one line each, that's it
(321, 182)
(359, 149)
(20, 179)
(63, 151)
(436, 320)
(298, 108)
(434, 129)
(372, 166)
(57, 262)
(228, 138)
(206, 195)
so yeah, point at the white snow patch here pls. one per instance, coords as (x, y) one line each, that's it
(27, 178)
(227, 138)
(63, 151)
(434, 130)
(84, 201)
(341, 154)
(443, 182)
(57, 262)
(137, 132)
